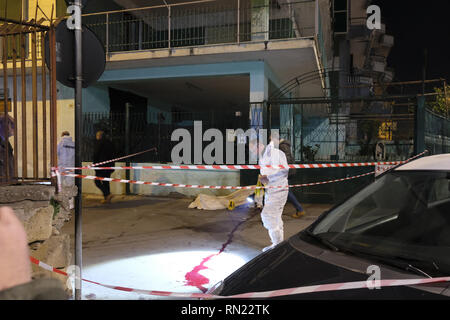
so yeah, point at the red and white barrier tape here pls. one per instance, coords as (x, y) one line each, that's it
(264, 294)
(244, 167)
(56, 173)
(121, 158)
(237, 167)
(194, 186)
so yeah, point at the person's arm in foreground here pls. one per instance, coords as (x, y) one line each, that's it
(15, 268)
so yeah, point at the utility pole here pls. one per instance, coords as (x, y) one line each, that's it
(424, 70)
(127, 144)
(74, 23)
(419, 117)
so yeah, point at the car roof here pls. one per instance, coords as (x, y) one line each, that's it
(439, 162)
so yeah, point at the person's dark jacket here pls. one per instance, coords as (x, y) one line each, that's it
(285, 146)
(104, 151)
(10, 156)
(39, 289)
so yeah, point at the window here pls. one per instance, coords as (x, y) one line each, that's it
(11, 9)
(340, 16)
(61, 8)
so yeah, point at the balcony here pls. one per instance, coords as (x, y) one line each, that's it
(203, 23)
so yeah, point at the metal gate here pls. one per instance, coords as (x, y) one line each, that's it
(28, 112)
(346, 130)
(356, 123)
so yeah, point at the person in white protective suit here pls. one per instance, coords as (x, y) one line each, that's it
(66, 157)
(274, 198)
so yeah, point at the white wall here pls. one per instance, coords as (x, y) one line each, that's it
(199, 177)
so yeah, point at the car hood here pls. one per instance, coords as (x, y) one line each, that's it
(297, 263)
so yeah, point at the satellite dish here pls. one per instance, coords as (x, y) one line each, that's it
(93, 56)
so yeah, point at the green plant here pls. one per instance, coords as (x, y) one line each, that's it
(56, 207)
(442, 102)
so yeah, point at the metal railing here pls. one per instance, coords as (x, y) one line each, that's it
(333, 130)
(28, 137)
(152, 129)
(437, 133)
(201, 23)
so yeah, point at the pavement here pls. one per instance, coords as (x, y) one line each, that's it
(157, 243)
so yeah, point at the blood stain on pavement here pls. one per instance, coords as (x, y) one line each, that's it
(194, 278)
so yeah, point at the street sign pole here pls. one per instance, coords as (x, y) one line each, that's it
(74, 23)
(79, 128)
(78, 73)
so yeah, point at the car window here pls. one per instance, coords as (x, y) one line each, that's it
(384, 198)
(403, 214)
(440, 190)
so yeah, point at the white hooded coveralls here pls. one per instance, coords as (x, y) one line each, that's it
(275, 198)
(66, 158)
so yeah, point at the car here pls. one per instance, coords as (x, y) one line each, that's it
(398, 225)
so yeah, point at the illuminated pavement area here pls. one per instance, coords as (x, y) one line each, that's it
(156, 243)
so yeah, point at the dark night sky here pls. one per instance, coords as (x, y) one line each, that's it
(417, 25)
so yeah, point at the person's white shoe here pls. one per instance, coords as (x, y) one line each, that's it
(268, 248)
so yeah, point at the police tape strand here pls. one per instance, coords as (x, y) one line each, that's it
(369, 284)
(194, 186)
(121, 158)
(58, 174)
(242, 167)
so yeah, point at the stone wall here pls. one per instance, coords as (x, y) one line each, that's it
(43, 213)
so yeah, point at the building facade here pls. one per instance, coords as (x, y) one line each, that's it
(169, 64)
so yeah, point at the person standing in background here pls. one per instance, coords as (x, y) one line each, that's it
(6, 149)
(285, 146)
(66, 157)
(103, 151)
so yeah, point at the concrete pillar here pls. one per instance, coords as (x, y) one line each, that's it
(260, 20)
(259, 92)
(419, 132)
(259, 86)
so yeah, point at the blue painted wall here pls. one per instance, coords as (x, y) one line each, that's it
(96, 99)
(199, 70)
(155, 107)
(259, 73)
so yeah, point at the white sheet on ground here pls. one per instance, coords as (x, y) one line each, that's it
(211, 202)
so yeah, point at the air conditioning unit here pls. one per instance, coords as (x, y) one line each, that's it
(366, 80)
(387, 40)
(388, 76)
(378, 66)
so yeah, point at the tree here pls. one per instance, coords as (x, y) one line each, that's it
(441, 104)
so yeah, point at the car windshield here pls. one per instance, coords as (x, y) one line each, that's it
(402, 216)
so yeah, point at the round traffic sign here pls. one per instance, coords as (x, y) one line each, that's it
(93, 56)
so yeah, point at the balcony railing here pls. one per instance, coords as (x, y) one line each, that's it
(202, 23)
